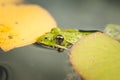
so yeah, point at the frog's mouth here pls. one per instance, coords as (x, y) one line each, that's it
(58, 47)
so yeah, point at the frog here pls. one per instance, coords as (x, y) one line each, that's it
(64, 39)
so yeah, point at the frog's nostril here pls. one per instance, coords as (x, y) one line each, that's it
(3, 73)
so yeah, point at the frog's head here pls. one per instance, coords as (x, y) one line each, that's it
(54, 39)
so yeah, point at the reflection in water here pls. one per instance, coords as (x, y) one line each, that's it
(72, 76)
(70, 73)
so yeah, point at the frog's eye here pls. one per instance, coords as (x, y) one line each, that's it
(45, 38)
(59, 39)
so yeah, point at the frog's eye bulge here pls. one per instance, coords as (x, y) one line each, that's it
(23, 25)
(55, 30)
(96, 57)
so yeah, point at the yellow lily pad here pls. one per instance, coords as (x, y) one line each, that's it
(96, 57)
(21, 25)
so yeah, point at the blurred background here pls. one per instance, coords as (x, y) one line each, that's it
(37, 63)
(82, 14)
